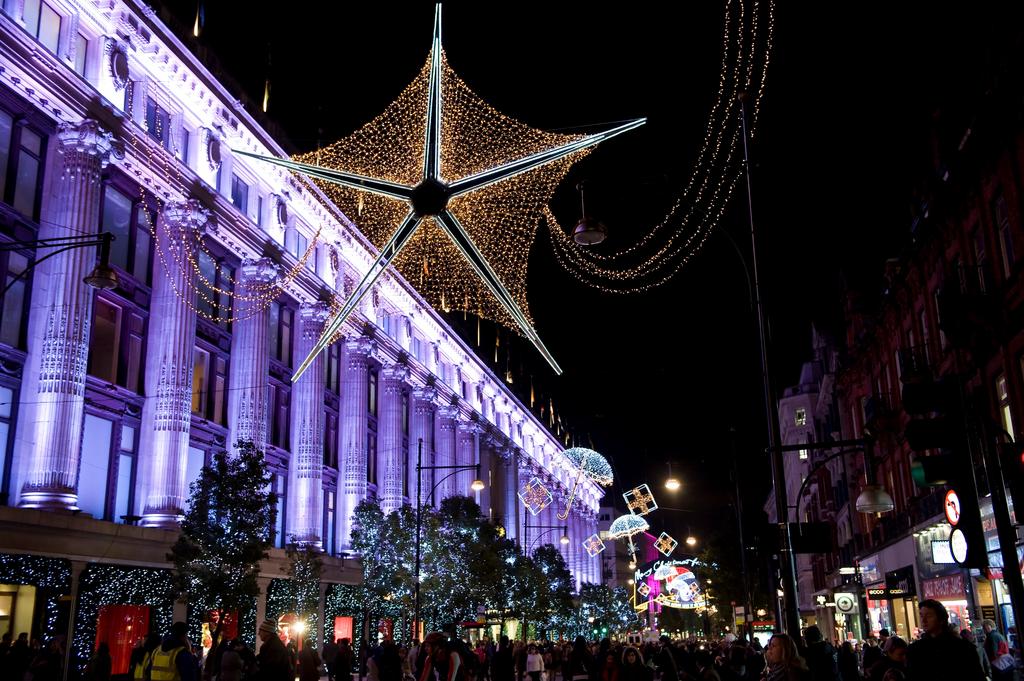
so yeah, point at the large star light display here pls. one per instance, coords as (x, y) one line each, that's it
(436, 153)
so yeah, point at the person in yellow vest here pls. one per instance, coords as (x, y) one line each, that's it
(173, 659)
(138, 665)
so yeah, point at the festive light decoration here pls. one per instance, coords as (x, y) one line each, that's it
(284, 597)
(593, 545)
(52, 576)
(346, 600)
(443, 151)
(591, 465)
(663, 250)
(643, 589)
(666, 544)
(626, 527)
(535, 496)
(102, 585)
(640, 500)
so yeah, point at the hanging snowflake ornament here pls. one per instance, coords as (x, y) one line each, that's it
(640, 500)
(535, 496)
(666, 544)
(593, 545)
(436, 153)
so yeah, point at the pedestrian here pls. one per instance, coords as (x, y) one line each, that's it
(138, 662)
(581, 663)
(820, 656)
(343, 662)
(173, 660)
(940, 654)
(997, 650)
(272, 662)
(18, 658)
(534, 663)
(783, 660)
(231, 667)
(894, 656)
(705, 663)
(610, 668)
(388, 662)
(48, 664)
(100, 664)
(871, 652)
(968, 635)
(503, 667)
(847, 662)
(665, 661)
(633, 667)
(329, 654)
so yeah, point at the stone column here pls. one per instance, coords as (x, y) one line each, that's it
(466, 455)
(390, 455)
(489, 476)
(305, 467)
(421, 428)
(61, 315)
(512, 503)
(447, 418)
(167, 413)
(250, 356)
(352, 466)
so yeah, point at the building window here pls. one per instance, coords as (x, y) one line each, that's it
(279, 408)
(371, 458)
(209, 385)
(186, 137)
(280, 487)
(105, 340)
(1001, 214)
(158, 123)
(239, 194)
(215, 275)
(331, 440)
(371, 393)
(125, 473)
(129, 221)
(21, 163)
(980, 257)
(1003, 397)
(329, 522)
(333, 368)
(81, 54)
(7, 420)
(43, 22)
(193, 467)
(94, 466)
(280, 332)
(12, 312)
(405, 414)
(800, 417)
(200, 380)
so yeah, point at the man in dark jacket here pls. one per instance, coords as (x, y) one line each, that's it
(273, 661)
(941, 654)
(820, 656)
(503, 666)
(666, 660)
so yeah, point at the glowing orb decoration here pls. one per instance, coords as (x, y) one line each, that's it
(593, 545)
(590, 464)
(666, 544)
(643, 589)
(477, 183)
(640, 500)
(535, 496)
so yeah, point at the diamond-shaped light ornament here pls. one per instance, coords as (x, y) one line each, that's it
(643, 589)
(535, 496)
(593, 545)
(666, 544)
(434, 193)
(640, 500)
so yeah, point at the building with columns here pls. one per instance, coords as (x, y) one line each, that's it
(112, 400)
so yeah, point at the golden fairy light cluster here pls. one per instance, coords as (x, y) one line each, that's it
(502, 218)
(659, 254)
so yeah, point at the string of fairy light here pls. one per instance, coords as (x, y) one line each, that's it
(657, 256)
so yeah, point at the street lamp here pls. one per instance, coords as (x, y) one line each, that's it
(672, 483)
(564, 539)
(477, 485)
(691, 540)
(101, 277)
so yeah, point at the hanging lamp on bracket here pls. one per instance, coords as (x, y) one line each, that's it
(588, 231)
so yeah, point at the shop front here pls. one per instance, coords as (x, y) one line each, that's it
(951, 591)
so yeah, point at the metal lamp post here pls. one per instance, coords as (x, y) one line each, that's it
(477, 485)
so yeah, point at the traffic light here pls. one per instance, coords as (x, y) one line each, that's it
(939, 422)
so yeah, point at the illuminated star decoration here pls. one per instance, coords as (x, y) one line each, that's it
(666, 544)
(640, 500)
(591, 465)
(535, 496)
(593, 545)
(436, 192)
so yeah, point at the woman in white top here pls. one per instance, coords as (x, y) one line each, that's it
(534, 663)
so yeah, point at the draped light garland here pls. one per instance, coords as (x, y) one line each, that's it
(51, 575)
(655, 258)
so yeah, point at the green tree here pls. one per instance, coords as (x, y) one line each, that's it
(387, 546)
(556, 586)
(226, 532)
(304, 569)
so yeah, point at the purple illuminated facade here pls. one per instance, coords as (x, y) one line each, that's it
(111, 401)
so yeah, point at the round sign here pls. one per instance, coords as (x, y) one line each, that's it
(952, 507)
(845, 602)
(119, 67)
(213, 152)
(958, 545)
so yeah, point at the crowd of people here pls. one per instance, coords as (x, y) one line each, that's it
(940, 652)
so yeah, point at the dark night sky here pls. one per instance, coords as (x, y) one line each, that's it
(661, 376)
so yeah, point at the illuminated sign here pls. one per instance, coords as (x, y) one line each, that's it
(672, 583)
(952, 506)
